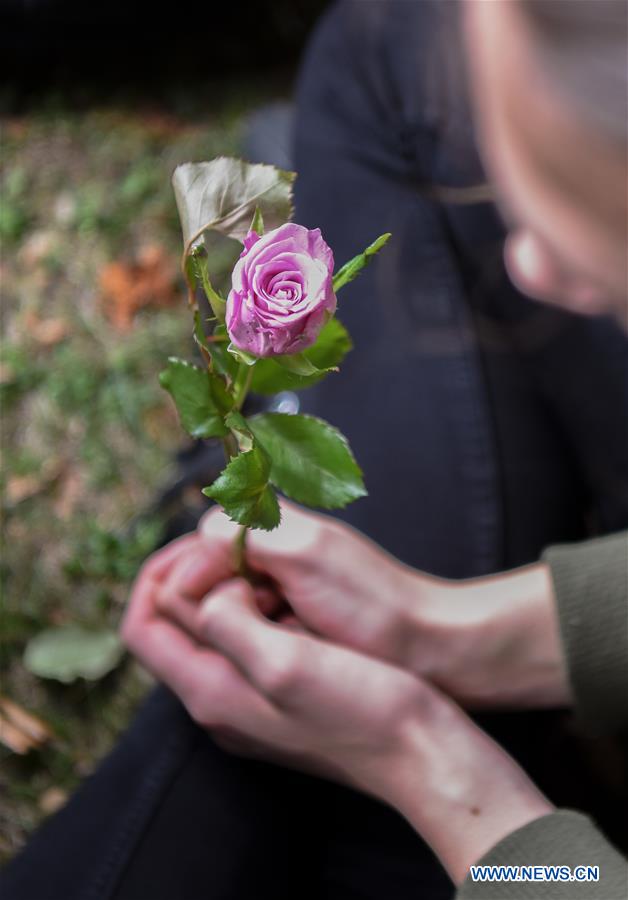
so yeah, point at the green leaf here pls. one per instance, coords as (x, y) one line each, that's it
(199, 333)
(257, 225)
(243, 491)
(352, 268)
(244, 436)
(220, 395)
(223, 195)
(327, 353)
(197, 274)
(192, 273)
(224, 363)
(310, 461)
(200, 397)
(217, 303)
(70, 652)
(242, 355)
(297, 364)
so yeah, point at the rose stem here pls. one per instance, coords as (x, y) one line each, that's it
(243, 388)
(230, 447)
(239, 544)
(239, 554)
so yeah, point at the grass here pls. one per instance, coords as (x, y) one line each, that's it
(88, 435)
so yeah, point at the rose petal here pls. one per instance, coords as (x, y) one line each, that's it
(282, 292)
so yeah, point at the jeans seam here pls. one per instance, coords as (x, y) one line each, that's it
(153, 785)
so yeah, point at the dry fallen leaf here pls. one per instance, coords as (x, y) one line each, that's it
(52, 799)
(46, 332)
(38, 245)
(70, 490)
(21, 731)
(148, 280)
(22, 487)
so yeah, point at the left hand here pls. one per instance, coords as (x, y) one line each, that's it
(300, 700)
(271, 688)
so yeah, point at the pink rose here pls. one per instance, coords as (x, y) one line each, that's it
(282, 293)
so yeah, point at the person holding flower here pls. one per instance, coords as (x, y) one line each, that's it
(337, 658)
(524, 639)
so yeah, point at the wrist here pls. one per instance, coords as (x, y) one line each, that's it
(491, 641)
(459, 789)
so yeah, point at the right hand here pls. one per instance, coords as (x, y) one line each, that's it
(488, 642)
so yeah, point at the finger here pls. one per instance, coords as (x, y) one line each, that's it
(181, 611)
(159, 563)
(269, 602)
(280, 553)
(207, 683)
(300, 673)
(185, 612)
(142, 601)
(292, 533)
(275, 659)
(212, 689)
(216, 526)
(195, 571)
(204, 564)
(289, 620)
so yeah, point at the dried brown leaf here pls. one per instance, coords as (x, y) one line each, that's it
(70, 490)
(150, 279)
(22, 487)
(20, 730)
(46, 332)
(52, 800)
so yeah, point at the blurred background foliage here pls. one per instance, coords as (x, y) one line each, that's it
(92, 306)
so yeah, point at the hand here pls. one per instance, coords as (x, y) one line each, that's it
(489, 642)
(300, 700)
(270, 687)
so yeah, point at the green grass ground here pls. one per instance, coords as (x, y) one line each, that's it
(88, 435)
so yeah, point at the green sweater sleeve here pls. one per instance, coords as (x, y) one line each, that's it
(562, 838)
(591, 587)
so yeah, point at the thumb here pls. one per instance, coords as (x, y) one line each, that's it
(280, 553)
(287, 550)
(229, 600)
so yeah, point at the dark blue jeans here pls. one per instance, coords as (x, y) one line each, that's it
(488, 428)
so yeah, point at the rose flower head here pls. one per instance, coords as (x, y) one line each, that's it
(282, 293)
